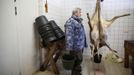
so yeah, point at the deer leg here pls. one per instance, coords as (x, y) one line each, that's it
(89, 22)
(98, 52)
(92, 49)
(109, 47)
(97, 10)
(97, 47)
(115, 18)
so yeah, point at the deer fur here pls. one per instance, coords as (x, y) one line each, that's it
(98, 27)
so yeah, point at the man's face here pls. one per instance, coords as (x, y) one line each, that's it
(78, 14)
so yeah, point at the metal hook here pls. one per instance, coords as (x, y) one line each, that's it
(15, 10)
(14, 0)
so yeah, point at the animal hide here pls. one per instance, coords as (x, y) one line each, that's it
(98, 27)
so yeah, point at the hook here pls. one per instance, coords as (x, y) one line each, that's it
(15, 10)
(14, 0)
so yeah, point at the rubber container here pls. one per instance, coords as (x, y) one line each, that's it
(68, 61)
(48, 30)
(41, 20)
(57, 30)
(97, 58)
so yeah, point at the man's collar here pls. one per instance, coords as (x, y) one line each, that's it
(77, 18)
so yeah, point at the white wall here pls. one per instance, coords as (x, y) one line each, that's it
(8, 40)
(122, 29)
(55, 10)
(18, 44)
(28, 40)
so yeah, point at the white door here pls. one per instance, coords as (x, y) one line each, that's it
(18, 46)
(27, 12)
(9, 57)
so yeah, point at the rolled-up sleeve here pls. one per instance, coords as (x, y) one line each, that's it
(69, 34)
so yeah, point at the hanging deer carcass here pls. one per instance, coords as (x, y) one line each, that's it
(98, 27)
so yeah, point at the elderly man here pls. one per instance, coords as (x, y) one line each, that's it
(75, 39)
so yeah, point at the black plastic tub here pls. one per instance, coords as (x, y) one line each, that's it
(97, 58)
(68, 61)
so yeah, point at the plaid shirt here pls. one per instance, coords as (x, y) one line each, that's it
(75, 34)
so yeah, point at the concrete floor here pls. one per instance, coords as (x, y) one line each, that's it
(90, 68)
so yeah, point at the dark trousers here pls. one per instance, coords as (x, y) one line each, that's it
(78, 60)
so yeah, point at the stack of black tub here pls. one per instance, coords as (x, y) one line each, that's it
(58, 32)
(48, 30)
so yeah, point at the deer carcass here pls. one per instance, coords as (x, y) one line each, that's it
(98, 27)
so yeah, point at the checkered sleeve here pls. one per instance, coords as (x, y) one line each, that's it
(69, 34)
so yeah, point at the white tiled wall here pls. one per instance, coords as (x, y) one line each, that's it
(122, 29)
(54, 10)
